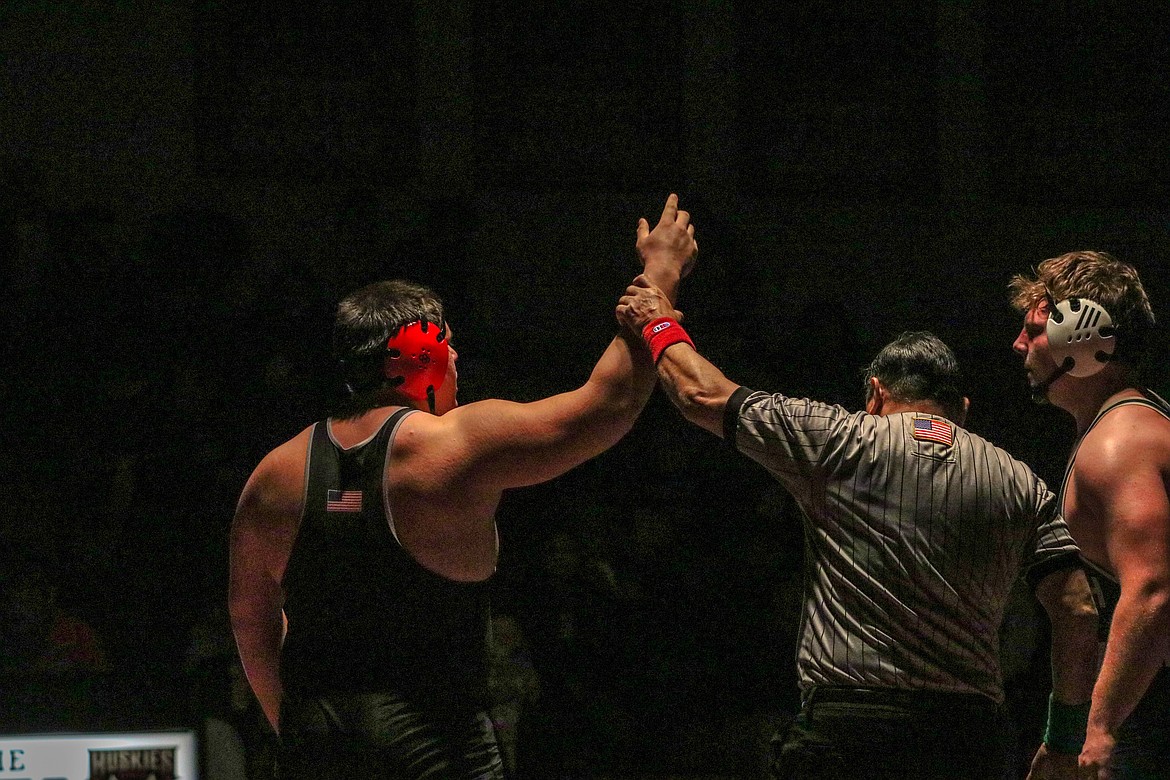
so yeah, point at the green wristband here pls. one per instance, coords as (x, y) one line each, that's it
(1065, 732)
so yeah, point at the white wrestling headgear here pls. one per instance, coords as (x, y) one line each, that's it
(1081, 335)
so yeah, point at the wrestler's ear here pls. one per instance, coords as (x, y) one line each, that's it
(875, 397)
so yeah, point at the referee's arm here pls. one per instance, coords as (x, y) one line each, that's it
(695, 386)
(1065, 595)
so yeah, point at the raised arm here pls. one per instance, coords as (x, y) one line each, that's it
(693, 383)
(668, 252)
(493, 445)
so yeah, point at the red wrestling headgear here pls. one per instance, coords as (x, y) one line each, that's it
(416, 360)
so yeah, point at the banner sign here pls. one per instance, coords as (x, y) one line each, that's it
(152, 755)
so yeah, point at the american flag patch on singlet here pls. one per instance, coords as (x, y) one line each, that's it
(933, 430)
(343, 501)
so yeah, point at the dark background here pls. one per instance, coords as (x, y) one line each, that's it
(187, 188)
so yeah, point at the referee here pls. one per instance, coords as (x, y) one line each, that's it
(915, 530)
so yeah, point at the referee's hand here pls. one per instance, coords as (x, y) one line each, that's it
(642, 303)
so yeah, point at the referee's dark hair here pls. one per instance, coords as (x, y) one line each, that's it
(918, 366)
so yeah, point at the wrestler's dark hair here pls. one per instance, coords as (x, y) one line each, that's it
(365, 321)
(918, 366)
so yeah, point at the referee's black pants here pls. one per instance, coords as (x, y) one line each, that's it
(883, 734)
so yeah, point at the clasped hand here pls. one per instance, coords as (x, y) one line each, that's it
(643, 303)
(670, 248)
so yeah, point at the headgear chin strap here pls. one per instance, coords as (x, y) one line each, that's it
(1040, 391)
(416, 360)
(1081, 337)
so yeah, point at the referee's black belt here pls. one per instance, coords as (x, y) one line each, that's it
(897, 697)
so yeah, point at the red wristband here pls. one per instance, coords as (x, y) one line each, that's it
(661, 333)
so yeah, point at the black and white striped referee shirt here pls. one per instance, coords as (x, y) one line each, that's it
(915, 531)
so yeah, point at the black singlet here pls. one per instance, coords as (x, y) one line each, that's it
(363, 615)
(1105, 587)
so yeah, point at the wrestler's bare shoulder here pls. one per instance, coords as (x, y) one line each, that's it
(1129, 436)
(444, 451)
(279, 479)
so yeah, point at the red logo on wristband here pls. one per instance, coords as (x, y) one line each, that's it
(661, 333)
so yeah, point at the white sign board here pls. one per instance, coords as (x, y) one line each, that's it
(152, 755)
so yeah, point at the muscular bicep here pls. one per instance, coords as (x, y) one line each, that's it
(1138, 520)
(259, 544)
(1123, 482)
(263, 531)
(255, 561)
(489, 446)
(496, 445)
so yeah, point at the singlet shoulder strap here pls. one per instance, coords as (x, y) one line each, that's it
(326, 426)
(380, 479)
(1150, 399)
(317, 440)
(328, 463)
(377, 447)
(392, 421)
(1156, 401)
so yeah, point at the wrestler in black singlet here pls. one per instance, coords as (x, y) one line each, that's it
(384, 664)
(1143, 741)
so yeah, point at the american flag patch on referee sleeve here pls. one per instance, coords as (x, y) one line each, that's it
(933, 430)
